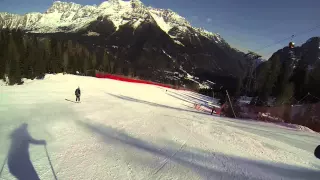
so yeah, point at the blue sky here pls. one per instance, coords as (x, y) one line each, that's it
(245, 24)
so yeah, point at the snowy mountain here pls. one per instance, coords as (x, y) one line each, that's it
(138, 32)
(71, 16)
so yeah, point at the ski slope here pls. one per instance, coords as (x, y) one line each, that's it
(134, 131)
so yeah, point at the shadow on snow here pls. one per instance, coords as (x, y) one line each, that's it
(153, 104)
(192, 98)
(18, 159)
(209, 165)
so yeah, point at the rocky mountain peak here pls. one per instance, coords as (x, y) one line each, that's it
(114, 1)
(136, 4)
(62, 7)
(70, 17)
(313, 40)
(109, 3)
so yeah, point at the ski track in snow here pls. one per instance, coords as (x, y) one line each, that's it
(134, 131)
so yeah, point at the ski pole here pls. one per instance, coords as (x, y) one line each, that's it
(4, 163)
(54, 174)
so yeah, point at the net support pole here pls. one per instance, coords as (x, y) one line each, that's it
(231, 104)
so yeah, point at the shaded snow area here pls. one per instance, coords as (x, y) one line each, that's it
(133, 131)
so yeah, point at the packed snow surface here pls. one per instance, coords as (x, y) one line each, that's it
(133, 131)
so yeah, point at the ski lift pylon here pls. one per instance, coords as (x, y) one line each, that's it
(291, 45)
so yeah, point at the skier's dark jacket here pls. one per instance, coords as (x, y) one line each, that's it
(77, 92)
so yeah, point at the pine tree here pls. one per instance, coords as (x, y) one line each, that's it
(79, 59)
(32, 56)
(53, 56)
(14, 66)
(17, 37)
(313, 85)
(105, 62)
(285, 83)
(86, 64)
(71, 57)
(237, 92)
(300, 78)
(59, 58)
(3, 53)
(287, 95)
(70, 46)
(262, 74)
(112, 64)
(72, 63)
(65, 61)
(47, 56)
(40, 62)
(93, 58)
(131, 72)
(269, 80)
(27, 55)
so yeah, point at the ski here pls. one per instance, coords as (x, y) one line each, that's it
(72, 101)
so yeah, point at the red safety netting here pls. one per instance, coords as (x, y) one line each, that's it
(127, 79)
(307, 115)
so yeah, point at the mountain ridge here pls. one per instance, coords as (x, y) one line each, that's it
(73, 11)
(134, 33)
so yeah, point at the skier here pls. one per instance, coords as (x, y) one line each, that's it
(213, 110)
(78, 93)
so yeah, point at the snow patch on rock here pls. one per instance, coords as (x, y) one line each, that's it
(161, 23)
(178, 42)
(166, 54)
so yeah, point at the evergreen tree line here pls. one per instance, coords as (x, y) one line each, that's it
(288, 81)
(24, 55)
(28, 56)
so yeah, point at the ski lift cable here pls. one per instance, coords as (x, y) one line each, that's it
(307, 96)
(289, 38)
(304, 97)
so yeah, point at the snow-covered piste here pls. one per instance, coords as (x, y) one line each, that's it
(123, 130)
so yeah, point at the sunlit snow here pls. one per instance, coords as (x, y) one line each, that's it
(133, 131)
